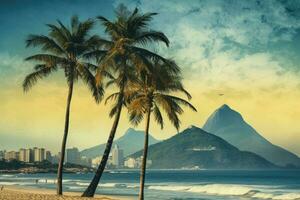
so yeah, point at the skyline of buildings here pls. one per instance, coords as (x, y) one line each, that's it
(116, 158)
(72, 155)
(26, 155)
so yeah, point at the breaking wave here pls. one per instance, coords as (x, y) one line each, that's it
(231, 190)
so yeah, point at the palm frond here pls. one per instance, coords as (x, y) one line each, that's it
(89, 79)
(45, 42)
(84, 28)
(41, 72)
(158, 116)
(58, 35)
(139, 22)
(180, 101)
(95, 54)
(65, 30)
(137, 109)
(47, 58)
(112, 97)
(146, 54)
(74, 23)
(110, 27)
(113, 110)
(151, 36)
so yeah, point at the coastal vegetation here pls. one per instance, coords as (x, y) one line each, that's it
(146, 81)
(15, 166)
(64, 49)
(125, 56)
(149, 95)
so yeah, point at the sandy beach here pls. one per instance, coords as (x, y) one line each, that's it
(21, 193)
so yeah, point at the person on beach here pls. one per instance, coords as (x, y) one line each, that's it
(2, 187)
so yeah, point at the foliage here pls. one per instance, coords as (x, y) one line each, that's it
(65, 49)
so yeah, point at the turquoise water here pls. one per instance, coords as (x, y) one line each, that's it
(179, 184)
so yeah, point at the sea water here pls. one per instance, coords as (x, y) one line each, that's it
(178, 184)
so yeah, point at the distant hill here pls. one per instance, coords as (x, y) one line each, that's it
(132, 141)
(194, 147)
(230, 125)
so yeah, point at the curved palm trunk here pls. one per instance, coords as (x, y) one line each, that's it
(90, 191)
(64, 141)
(144, 162)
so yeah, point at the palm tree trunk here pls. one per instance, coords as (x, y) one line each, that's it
(90, 191)
(63, 145)
(144, 162)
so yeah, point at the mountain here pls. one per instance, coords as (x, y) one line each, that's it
(196, 148)
(230, 125)
(132, 141)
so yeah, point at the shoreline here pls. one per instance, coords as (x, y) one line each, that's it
(31, 193)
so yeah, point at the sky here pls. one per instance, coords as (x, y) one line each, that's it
(247, 50)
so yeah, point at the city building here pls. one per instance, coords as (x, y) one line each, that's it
(96, 162)
(2, 153)
(39, 154)
(130, 163)
(72, 156)
(117, 157)
(110, 160)
(26, 155)
(136, 162)
(85, 161)
(22, 155)
(48, 156)
(55, 158)
(11, 155)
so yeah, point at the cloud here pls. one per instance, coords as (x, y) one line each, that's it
(227, 43)
(12, 68)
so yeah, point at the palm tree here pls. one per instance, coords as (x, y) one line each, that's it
(64, 49)
(123, 55)
(148, 95)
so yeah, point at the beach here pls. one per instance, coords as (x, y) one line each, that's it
(161, 185)
(24, 193)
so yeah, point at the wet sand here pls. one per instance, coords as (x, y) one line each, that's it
(21, 193)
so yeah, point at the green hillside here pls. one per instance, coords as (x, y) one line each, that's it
(196, 148)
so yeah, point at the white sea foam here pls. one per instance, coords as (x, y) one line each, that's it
(119, 172)
(133, 186)
(230, 190)
(221, 189)
(75, 187)
(289, 196)
(52, 181)
(263, 195)
(7, 175)
(8, 183)
(108, 184)
(169, 187)
(82, 183)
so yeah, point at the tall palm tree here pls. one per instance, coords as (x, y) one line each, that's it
(123, 54)
(150, 94)
(65, 49)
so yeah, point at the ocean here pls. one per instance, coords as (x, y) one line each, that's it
(178, 184)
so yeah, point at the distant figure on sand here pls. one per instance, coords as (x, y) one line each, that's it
(2, 187)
